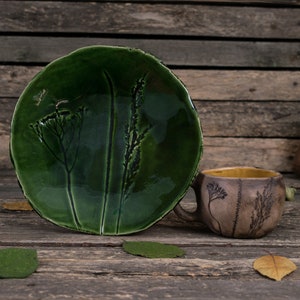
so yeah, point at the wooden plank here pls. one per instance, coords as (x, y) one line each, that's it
(288, 3)
(201, 84)
(252, 119)
(213, 125)
(268, 153)
(7, 108)
(13, 79)
(4, 152)
(199, 261)
(144, 18)
(115, 263)
(27, 229)
(276, 3)
(114, 254)
(222, 119)
(107, 286)
(241, 85)
(196, 53)
(249, 119)
(271, 153)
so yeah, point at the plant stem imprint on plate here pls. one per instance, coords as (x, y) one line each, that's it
(134, 135)
(60, 133)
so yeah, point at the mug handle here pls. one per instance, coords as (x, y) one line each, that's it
(187, 215)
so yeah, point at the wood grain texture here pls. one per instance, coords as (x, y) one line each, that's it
(182, 52)
(222, 118)
(60, 285)
(4, 153)
(142, 18)
(263, 134)
(280, 3)
(250, 85)
(84, 266)
(241, 84)
(30, 230)
(99, 263)
(250, 119)
(240, 62)
(276, 154)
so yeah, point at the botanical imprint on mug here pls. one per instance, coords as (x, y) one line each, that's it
(215, 192)
(262, 208)
(260, 213)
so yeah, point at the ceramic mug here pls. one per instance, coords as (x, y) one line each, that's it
(238, 202)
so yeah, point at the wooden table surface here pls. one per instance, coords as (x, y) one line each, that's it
(82, 266)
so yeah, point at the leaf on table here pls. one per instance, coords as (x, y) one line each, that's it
(274, 267)
(17, 262)
(290, 193)
(17, 206)
(152, 249)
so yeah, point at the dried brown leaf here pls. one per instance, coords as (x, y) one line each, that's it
(18, 205)
(274, 267)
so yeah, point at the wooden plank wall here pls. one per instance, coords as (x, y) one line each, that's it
(240, 61)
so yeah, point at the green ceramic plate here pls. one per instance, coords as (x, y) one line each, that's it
(105, 140)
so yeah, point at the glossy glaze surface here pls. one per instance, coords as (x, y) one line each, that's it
(105, 140)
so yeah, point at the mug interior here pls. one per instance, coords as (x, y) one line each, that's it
(241, 172)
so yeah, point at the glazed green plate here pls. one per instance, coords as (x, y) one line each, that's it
(105, 140)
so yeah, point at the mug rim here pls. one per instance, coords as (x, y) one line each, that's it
(224, 172)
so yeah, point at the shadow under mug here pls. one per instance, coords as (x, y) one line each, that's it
(237, 202)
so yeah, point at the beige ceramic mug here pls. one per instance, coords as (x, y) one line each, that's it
(239, 202)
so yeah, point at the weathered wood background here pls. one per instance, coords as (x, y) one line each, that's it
(240, 61)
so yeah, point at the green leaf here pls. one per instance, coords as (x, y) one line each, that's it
(17, 262)
(290, 193)
(152, 249)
